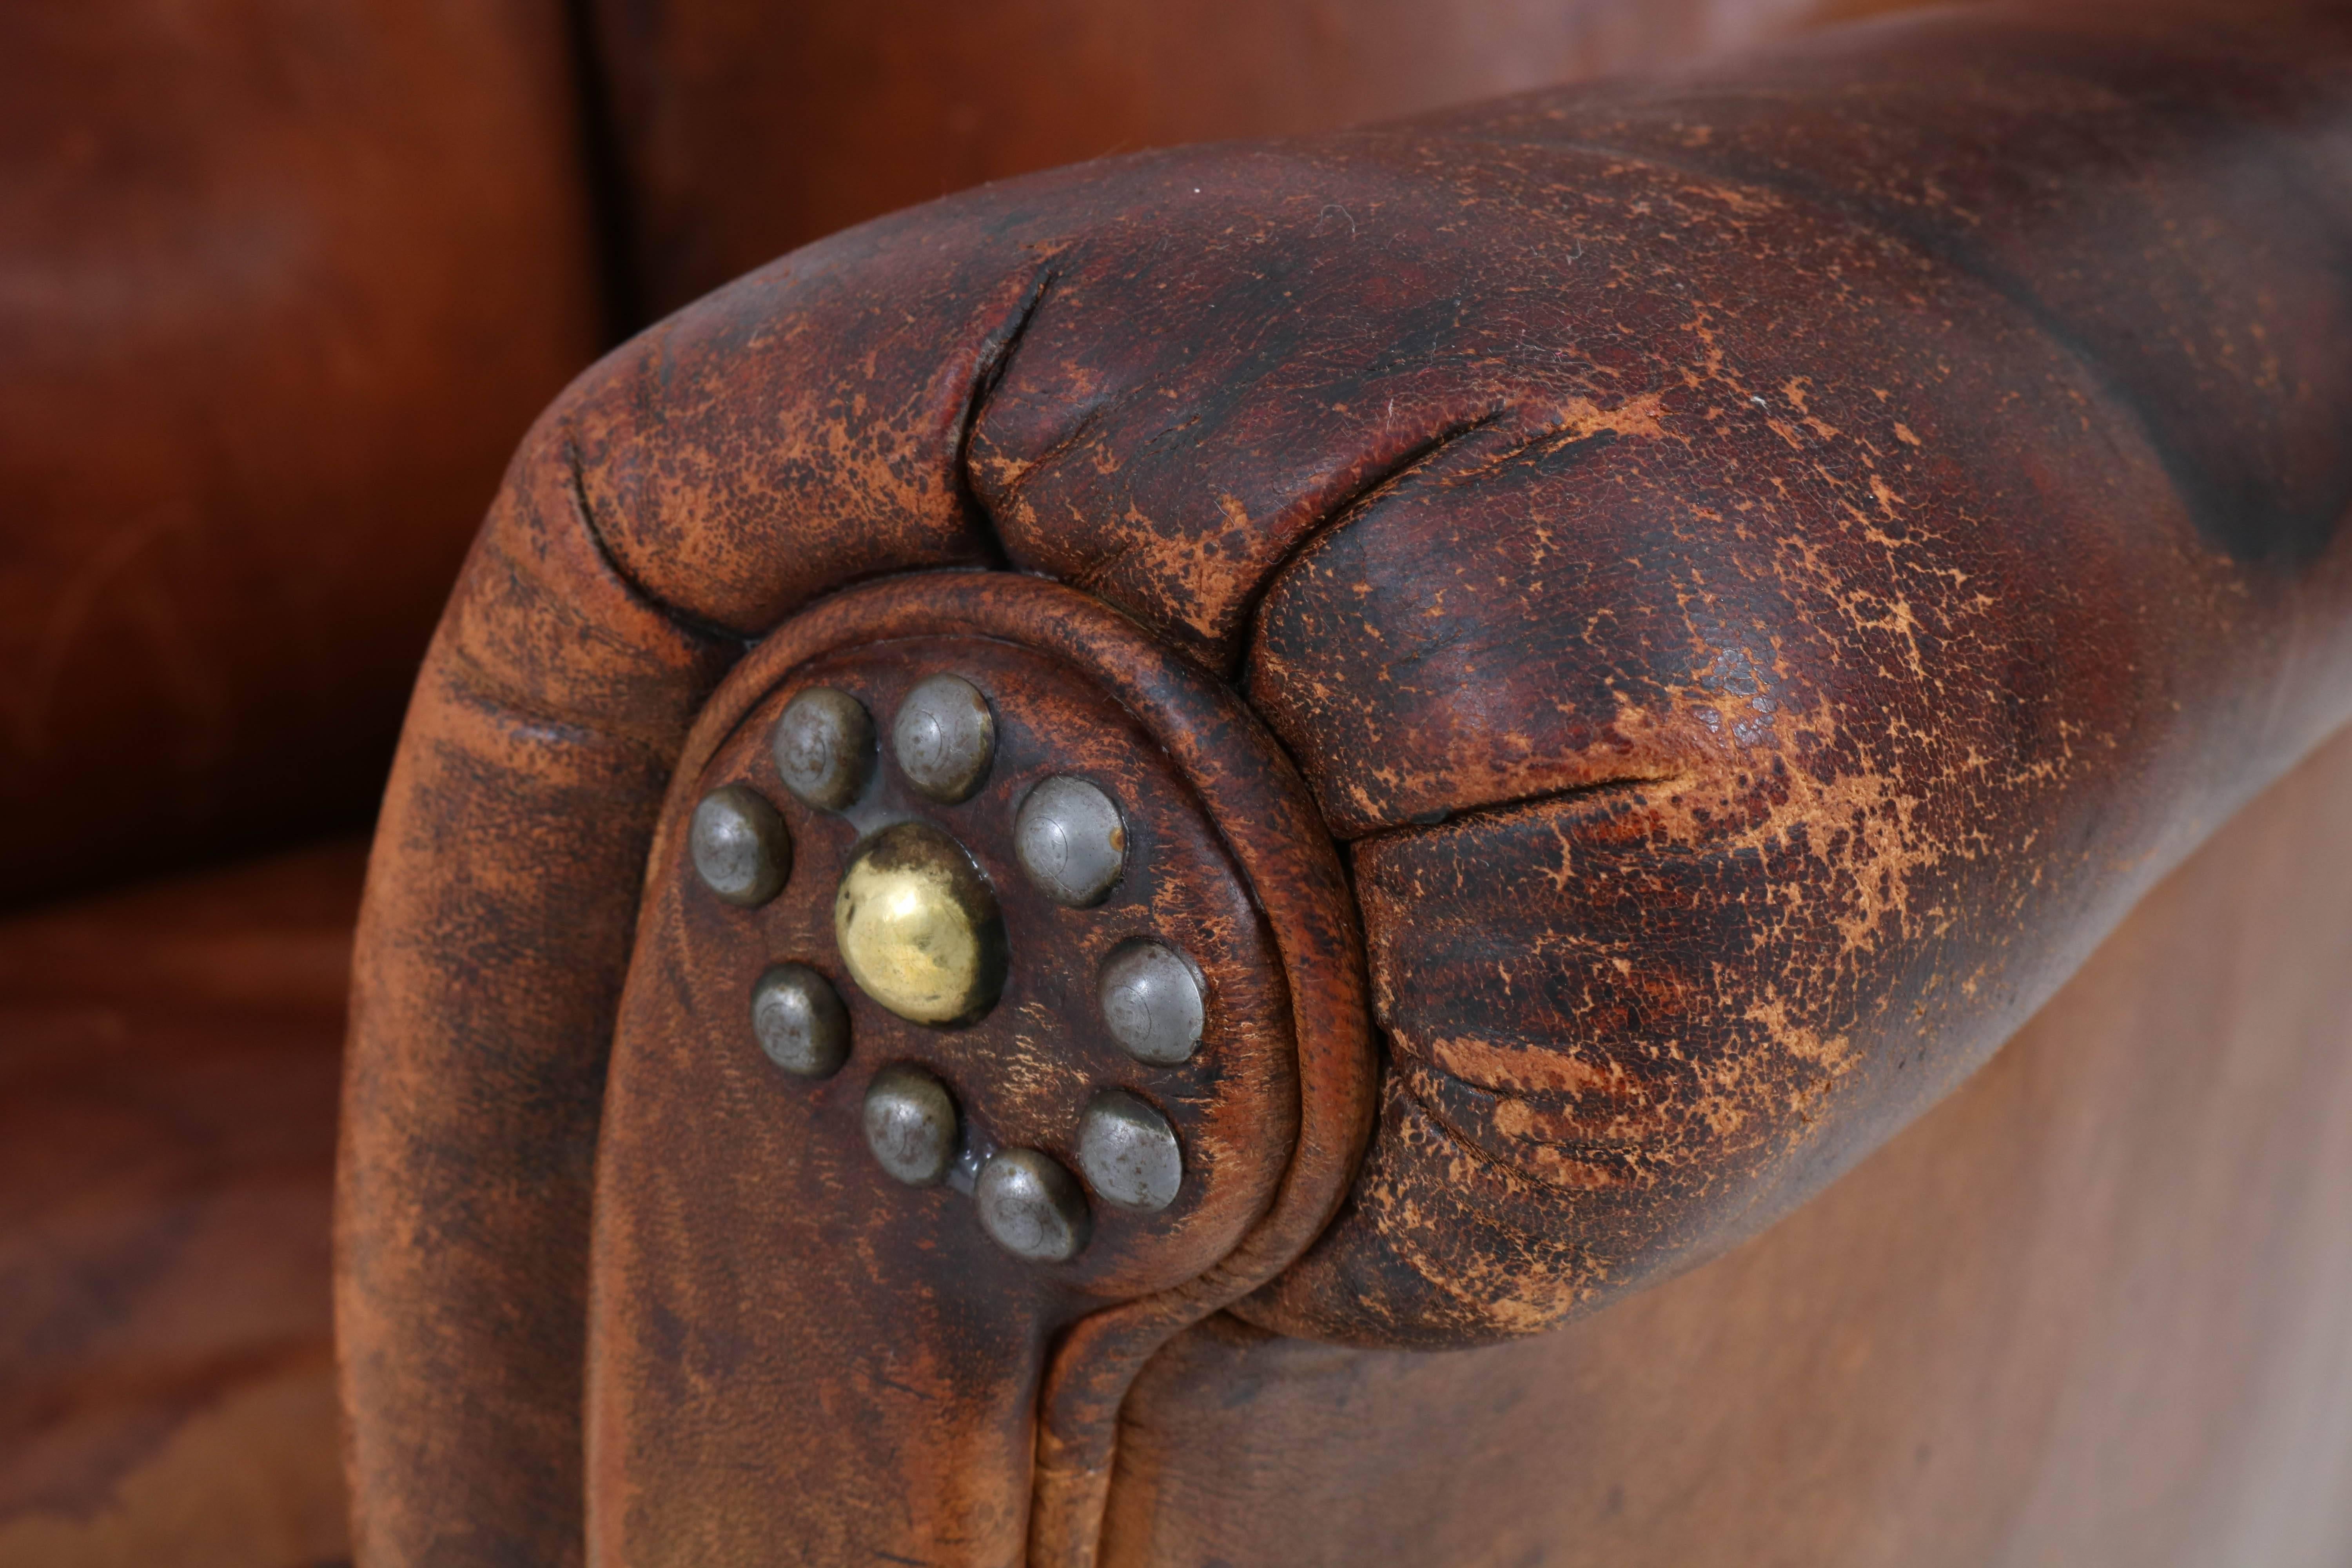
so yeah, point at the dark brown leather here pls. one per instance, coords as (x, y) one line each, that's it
(2089, 1310)
(746, 128)
(1823, 740)
(167, 1111)
(1760, 571)
(707, 1358)
(286, 281)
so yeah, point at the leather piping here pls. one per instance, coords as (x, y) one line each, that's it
(1293, 871)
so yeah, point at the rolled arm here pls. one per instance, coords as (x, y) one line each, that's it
(1754, 574)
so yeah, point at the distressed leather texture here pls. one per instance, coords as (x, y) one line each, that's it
(953, 1360)
(1758, 571)
(2088, 1309)
(291, 280)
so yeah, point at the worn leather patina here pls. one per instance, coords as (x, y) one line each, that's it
(710, 1362)
(1758, 573)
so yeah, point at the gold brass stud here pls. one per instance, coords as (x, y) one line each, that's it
(919, 927)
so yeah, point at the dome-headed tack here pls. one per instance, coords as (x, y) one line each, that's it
(739, 845)
(1129, 1152)
(944, 738)
(911, 1125)
(824, 746)
(800, 1021)
(1070, 841)
(1031, 1207)
(1152, 1001)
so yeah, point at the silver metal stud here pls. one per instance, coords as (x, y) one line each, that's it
(1070, 840)
(739, 845)
(1129, 1151)
(944, 738)
(1151, 1000)
(1031, 1207)
(800, 1022)
(824, 746)
(910, 1125)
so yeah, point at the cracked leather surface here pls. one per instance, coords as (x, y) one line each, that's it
(1760, 571)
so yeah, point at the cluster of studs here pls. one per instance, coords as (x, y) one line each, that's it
(917, 928)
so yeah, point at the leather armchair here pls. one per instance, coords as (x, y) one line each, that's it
(1726, 588)
(1630, 638)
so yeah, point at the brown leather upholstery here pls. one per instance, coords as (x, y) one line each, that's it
(292, 279)
(286, 283)
(168, 1075)
(2089, 1310)
(1225, 857)
(749, 128)
(285, 278)
(289, 282)
(1761, 572)
(1874, 656)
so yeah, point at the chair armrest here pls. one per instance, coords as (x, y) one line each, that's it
(1755, 573)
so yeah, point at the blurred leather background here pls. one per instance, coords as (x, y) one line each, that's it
(282, 283)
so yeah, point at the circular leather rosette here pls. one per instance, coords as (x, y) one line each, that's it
(997, 1010)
